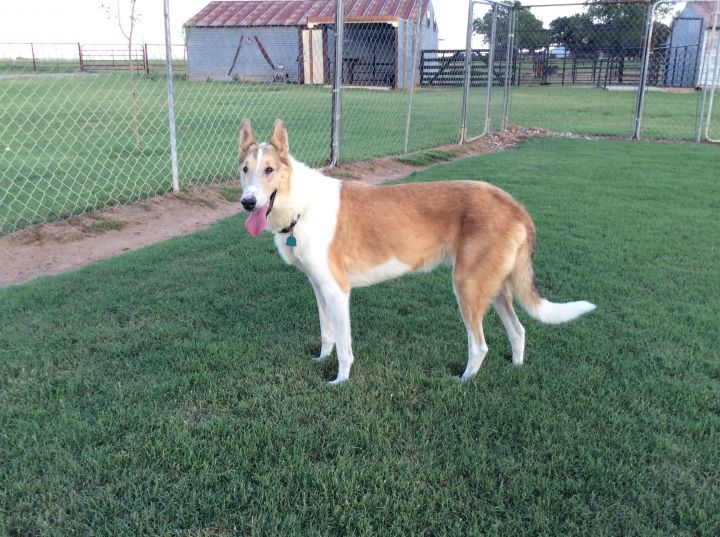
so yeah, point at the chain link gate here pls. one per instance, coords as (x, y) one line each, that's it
(689, 115)
(487, 69)
(576, 66)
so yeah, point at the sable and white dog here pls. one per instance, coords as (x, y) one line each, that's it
(346, 234)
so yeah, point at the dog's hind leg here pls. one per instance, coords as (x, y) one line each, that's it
(327, 341)
(472, 308)
(477, 349)
(477, 278)
(515, 331)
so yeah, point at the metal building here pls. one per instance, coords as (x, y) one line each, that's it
(692, 42)
(294, 41)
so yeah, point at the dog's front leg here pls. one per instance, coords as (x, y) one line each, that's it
(327, 341)
(337, 303)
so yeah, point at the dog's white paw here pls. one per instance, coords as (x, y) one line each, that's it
(320, 358)
(338, 380)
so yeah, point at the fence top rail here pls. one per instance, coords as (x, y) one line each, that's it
(607, 3)
(498, 3)
(449, 50)
(594, 3)
(76, 43)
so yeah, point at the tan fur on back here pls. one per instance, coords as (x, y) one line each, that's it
(423, 224)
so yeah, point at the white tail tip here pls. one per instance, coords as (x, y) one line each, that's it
(552, 313)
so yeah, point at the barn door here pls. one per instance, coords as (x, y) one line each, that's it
(313, 61)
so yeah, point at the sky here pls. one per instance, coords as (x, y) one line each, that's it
(85, 21)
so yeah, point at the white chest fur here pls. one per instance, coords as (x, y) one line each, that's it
(316, 198)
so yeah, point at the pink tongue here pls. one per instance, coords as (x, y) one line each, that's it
(257, 221)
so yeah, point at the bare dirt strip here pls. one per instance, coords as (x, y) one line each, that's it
(44, 249)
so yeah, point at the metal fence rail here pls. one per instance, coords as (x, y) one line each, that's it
(87, 126)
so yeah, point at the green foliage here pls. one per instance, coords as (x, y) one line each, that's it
(575, 32)
(607, 26)
(170, 391)
(624, 24)
(529, 33)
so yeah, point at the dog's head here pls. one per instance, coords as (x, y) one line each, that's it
(264, 173)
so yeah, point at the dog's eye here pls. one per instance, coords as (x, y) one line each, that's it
(268, 170)
(245, 168)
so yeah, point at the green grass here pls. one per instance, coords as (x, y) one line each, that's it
(595, 111)
(66, 144)
(170, 391)
(231, 193)
(103, 226)
(426, 158)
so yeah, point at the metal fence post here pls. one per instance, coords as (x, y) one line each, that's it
(337, 84)
(715, 77)
(170, 99)
(468, 67)
(512, 13)
(411, 89)
(640, 103)
(491, 68)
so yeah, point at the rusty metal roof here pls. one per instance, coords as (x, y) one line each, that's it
(300, 12)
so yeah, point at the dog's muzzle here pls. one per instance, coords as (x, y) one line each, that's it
(248, 203)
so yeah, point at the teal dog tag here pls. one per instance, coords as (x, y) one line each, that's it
(291, 242)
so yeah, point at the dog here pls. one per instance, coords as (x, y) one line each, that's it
(344, 234)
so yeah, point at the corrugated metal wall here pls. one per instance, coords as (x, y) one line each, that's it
(406, 42)
(708, 75)
(212, 53)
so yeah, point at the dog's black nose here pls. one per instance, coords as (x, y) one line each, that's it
(248, 203)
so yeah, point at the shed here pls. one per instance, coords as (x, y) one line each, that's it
(293, 41)
(692, 47)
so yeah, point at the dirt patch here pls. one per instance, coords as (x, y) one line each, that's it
(57, 247)
(386, 169)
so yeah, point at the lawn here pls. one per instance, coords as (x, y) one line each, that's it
(170, 391)
(66, 142)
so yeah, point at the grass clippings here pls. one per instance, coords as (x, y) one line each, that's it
(426, 158)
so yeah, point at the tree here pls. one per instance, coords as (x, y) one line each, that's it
(529, 32)
(575, 33)
(625, 21)
(128, 34)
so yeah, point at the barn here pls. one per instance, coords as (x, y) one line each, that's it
(293, 41)
(693, 41)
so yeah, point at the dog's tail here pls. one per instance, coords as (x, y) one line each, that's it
(523, 286)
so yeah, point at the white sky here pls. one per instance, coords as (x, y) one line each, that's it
(53, 21)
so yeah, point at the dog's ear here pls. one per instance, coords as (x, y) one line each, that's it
(279, 139)
(247, 138)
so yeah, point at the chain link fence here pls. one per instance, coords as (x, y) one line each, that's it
(84, 126)
(583, 72)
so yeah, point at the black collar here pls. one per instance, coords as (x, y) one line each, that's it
(289, 228)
